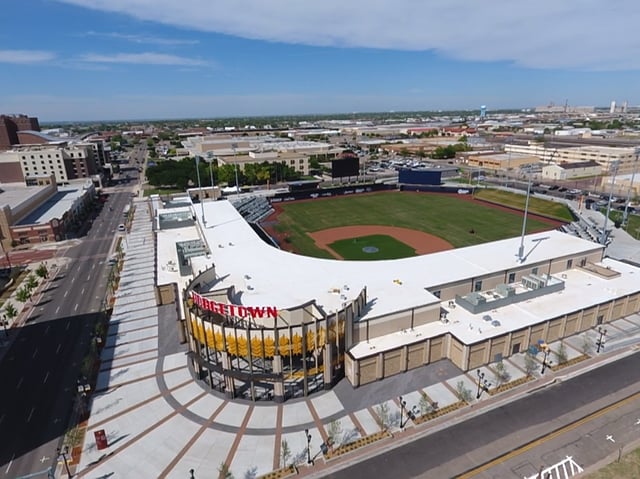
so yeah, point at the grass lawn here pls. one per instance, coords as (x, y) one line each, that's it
(633, 221)
(460, 222)
(628, 467)
(388, 248)
(551, 209)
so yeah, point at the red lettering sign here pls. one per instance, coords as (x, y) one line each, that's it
(234, 310)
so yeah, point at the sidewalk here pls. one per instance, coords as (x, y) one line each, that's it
(161, 423)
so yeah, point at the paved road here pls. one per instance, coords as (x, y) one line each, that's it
(465, 446)
(42, 365)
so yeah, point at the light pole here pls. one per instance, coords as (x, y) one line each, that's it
(524, 221)
(4, 325)
(600, 341)
(64, 453)
(545, 363)
(603, 237)
(410, 413)
(483, 384)
(204, 222)
(626, 204)
(308, 437)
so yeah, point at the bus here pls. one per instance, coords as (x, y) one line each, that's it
(127, 208)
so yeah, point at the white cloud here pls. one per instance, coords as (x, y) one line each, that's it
(148, 58)
(590, 34)
(143, 39)
(25, 56)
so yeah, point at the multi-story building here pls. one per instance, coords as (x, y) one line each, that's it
(500, 161)
(65, 161)
(606, 156)
(38, 214)
(258, 149)
(10, 125)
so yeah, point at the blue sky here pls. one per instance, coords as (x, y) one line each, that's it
(132, 59)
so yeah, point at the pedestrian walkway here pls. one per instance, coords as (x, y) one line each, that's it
(160, 422)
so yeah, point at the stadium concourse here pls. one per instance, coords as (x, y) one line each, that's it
(161, 420)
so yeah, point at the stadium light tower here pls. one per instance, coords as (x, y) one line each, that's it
(603, 236)
(204, 222)
(524, 221)
(625, 215)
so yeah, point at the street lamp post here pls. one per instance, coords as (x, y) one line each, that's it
(64, 453)
(545, 363)
(483, 384)
(308, 437)
(5, 323)
(600, 341)
(410, 413)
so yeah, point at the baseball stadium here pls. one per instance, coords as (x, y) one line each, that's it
(370, 285)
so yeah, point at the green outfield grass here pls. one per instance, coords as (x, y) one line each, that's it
(460, 222)
(551, 209)
(388, 248)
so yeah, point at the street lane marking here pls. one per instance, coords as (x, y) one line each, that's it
(45, 378)
(58, 348)
(610, 438)
(9, 466)
(19, 383)
(31, 414)
(547, 437)
(57, 309)
(35, 353)
(46, 330)
(76, 308)
(82, 292)
(66, 293)
(69, 323)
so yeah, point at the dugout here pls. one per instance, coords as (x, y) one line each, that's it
(303, 185)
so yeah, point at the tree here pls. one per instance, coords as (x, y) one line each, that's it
(334, 432)
(42, 271)
(224, 472)
(530, 364)
(464, 393)
(561, 353)
(23, 294)
(285, 453)
(587, 344)
(32, 282)
(382, 411)
(501, 374)
(425, 405)
(10, 311)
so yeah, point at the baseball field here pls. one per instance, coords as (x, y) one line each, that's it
(400, 224)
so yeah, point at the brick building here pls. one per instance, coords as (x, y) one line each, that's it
(10, 125)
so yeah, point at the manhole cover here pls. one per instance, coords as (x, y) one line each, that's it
(370, 249)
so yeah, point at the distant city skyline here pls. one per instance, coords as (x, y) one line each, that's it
(89, 60)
